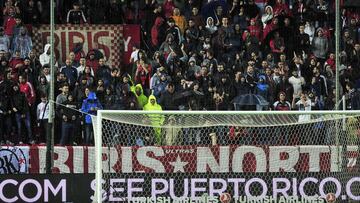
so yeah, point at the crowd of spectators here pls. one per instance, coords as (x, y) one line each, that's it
(194, 55)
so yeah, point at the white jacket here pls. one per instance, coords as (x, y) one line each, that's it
(44, 57)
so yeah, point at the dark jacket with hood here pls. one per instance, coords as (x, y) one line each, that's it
(169, 45)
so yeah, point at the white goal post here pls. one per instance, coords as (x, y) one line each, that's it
(334, 133)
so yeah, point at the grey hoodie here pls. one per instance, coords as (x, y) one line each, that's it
(320, 46)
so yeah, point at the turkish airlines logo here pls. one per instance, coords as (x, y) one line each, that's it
(225, 198)
(330, 198)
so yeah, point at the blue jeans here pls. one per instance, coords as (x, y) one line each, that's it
(88, 133)
(27, 122)
(67, 133)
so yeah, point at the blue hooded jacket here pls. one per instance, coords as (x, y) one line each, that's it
(90, 106)
(262, 88)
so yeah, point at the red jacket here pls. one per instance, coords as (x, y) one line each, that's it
(94, 64)
(168, 8)
(14, 61)
(9, 24)
(29, 92)
(142, 77)
(15, 70)
(268, 28)
(331, 63)
(155, 31)
(79, 55)
(279, 9)
(255, 31)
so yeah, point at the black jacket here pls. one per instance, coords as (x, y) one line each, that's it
(5, 104)
(354, 97)
(6, 86)
(109, 101)
(69, 110)
(18, 101)
(303, 42)
(167, 101)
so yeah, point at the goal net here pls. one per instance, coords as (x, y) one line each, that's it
(145, 156)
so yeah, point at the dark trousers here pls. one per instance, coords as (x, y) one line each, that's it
(7, 125)
(67, 133)
(43, 130)
(21, 136)
(77, 131)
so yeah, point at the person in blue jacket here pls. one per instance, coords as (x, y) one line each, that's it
(90, 106)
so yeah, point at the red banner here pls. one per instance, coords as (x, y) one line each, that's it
(196, 159)
(114, 41)
(131, 36)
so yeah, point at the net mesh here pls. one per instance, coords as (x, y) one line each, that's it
(236, 156)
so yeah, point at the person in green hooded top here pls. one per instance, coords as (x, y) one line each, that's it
(139, 93)
(156, 120)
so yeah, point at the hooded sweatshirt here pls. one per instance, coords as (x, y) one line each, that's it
(156, 120)
(267, 17)
(90, 106)
(320, 45)
(155, 31)
(142, 99)
(152, 107)
(211, 28)
(262, 88)
(44, 57)
(166, 46)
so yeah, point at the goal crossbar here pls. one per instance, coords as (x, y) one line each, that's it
(337, 112)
